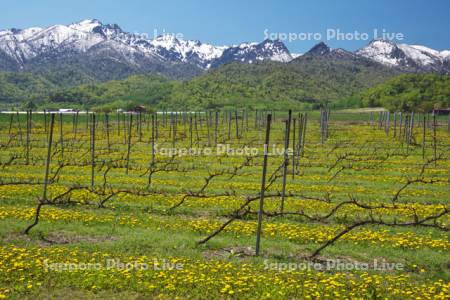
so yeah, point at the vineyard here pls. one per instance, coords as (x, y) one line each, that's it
(194, 205)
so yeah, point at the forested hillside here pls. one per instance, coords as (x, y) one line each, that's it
(420, 92)
(304, 83)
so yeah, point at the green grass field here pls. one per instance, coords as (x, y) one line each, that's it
(154, 215)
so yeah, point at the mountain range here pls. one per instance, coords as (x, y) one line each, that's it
(107, 52)
(90, 51)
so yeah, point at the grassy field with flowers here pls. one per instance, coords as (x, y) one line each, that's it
(129, 222)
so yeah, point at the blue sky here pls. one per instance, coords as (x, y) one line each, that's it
(231, 22)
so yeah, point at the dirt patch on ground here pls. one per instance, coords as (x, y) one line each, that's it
(12, 238)
(56, 238)
(302, 260)
(67, 238)
(238, 251)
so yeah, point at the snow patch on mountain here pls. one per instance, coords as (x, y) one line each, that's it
(420, 55)
(27, 33)
(384, 52)
(80, 37)
(187, 48)
(410, 57)
(86, 25)
(424, 49)
(445, 54)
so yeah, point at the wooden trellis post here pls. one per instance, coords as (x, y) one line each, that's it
(107, 132)
(293, 148)
(92, 150)
(424, 127)
(434, 140)
(118, 122)
(61, 135)
(153, 140)
(11, 117)
(45, 121)
(190, 131)
(395, 124)
(216, 127)
(19, 128)
(286, 159)
(305, 120)
(28, 136)
(236, 123)
(263, 186)
(130, 127)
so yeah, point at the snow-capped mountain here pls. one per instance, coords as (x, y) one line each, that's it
(31, 46)
(404, 57)
(408, 57)
(253, 52)
(90, 50)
